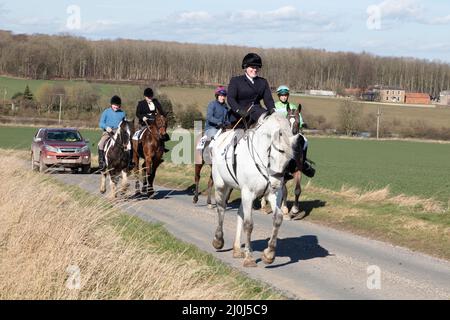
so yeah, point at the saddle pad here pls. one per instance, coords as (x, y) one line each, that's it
(138, 134)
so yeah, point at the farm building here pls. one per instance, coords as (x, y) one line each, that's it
(444, 98)
(392, 94)
(417, 98)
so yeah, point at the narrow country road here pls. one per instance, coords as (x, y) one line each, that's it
(313, 262)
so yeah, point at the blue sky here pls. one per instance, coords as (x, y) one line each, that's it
(413, 28)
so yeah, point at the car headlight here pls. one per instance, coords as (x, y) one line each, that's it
(85, 149)
(51, 149)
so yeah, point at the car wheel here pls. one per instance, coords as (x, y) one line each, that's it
(86, 168)
(42, 165)
(34, 167)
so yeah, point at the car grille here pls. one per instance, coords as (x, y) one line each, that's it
(67, 157)
(70, 150)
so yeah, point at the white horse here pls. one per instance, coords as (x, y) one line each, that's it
(255, 166)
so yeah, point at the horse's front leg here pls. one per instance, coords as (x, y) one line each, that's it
(284, 207)
(298, 192)
(275, 201)
(125, 183)
(148, 170)
(198, 170)
(221, 197)
(246, 207)
(137, 185)
(103, 183)
(113, 180)
(210, 185)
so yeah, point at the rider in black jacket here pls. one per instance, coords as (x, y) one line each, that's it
(146, 111)
(245, 92)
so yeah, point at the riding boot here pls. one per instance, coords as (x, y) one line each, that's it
(308, 169)
(101, 160)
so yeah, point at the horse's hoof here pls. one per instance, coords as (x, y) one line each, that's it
(195, 200)
(249, 263)
(268, 258)
(218, 243)
(287, 217)
(210, 206)
(238, 254)
(102, 190)
(285, 210)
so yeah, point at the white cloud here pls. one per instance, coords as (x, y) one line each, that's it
(286, 18)
(408, 11)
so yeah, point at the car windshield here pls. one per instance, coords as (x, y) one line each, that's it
(67, 136)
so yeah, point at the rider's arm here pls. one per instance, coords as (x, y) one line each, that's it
(139, 113)
(267, 97)
(232, 95)
(102, 122)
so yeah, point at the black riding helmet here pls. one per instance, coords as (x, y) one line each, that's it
(148, 93)
(116, 101)
(251, 60)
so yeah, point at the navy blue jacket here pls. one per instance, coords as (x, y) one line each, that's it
(242, 94)
(216, 115)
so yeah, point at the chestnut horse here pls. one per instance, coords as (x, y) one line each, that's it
(149, 148)
(202, 157)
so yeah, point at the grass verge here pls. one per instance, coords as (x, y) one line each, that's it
(58, 242)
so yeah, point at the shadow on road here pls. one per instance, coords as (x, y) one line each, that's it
(307, 207)
(296, 249)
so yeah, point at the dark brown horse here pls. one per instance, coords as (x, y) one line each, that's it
(117, 155)
(150, 149)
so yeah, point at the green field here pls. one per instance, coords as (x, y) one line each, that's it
(412, 168)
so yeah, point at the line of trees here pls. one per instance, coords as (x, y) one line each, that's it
(68, 57)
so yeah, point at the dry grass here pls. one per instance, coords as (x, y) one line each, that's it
(383, 195)
(44, 232)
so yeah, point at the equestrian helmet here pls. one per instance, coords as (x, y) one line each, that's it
(116, 101)
(282, 90)
(251, 60)
(148, 93)
(220, 91)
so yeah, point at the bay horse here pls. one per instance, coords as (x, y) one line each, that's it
(202, 157)
(148, 146)
(293, 116)
(117, 156)
(256, 165)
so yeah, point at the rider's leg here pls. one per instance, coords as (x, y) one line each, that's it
(101, 153)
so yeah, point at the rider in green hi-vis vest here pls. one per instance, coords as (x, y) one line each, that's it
(281, 106)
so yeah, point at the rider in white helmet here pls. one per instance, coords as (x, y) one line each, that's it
(281, 106)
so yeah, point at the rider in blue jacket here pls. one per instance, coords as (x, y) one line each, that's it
(217, 115)
(109, 122)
